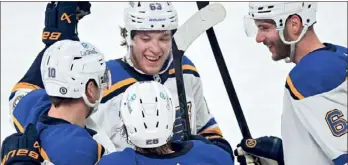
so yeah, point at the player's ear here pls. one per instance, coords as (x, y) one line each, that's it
(91, 90)
(294, 27)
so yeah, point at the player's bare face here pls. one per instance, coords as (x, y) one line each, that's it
(269, 36)
(150, 50)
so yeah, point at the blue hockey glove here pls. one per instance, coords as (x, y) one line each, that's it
(267, 150)
(61, 20)
(22, 148)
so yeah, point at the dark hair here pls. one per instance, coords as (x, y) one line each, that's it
(161, 150)
(123, 32)
(58, 101)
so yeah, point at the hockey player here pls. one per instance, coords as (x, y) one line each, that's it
(149, 58)
(314, 119)
(148, 116)
(68, 90)
(148, 31)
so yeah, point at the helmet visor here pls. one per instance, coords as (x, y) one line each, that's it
(253, 27)
(250, 27)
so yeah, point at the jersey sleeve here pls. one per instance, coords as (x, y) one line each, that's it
(205, 122)
(318, 96)
(29, 82)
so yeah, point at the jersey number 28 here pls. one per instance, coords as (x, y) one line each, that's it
(337, 123)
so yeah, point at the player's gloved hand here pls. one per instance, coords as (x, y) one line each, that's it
(267, 150)
(22, 148)
(212, 138)
(61, 20)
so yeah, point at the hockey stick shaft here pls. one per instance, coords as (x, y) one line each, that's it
(178, 55)
(226, 77)
(183, 37)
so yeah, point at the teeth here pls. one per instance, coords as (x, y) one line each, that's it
(152, 58)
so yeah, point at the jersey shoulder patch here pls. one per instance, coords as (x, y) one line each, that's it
(29, 108)
(318, 72)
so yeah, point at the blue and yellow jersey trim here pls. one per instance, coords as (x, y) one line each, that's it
(317, 73)
(211, 128)
(187, 68)
(24, 85)
(121, 79)
(123, 75)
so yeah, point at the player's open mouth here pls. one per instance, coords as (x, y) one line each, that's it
(153, 58)
(270, 47)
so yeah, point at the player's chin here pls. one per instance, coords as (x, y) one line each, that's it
(153, 67)
(277, 57)
(151, 70)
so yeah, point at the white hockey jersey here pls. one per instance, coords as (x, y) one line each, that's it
(314, 119)
(123, 75)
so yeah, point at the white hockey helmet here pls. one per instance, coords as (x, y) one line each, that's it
(149, 16)
(148, 114)
(68, 65)
(279, 12)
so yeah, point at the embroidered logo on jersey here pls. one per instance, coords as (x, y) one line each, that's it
(16, 100)
(179, 127)
(250, 143)
(189, 107)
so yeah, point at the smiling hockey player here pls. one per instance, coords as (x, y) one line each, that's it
(149, 58)
(148, 115)
(148, 31)
(314, 119)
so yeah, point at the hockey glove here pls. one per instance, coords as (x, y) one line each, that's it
(21, 148)
(61, 20)
(267, 150)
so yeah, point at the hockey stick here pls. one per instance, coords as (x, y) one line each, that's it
(243, 126)
(183, 38)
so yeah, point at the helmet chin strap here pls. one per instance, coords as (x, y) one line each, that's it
(292, 43)
(92, 105)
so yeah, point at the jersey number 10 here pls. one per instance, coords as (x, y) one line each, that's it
(337, 124)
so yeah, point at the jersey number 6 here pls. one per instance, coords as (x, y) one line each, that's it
(337, 124)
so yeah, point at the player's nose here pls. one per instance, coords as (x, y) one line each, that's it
(260, 38)
(155, 48)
